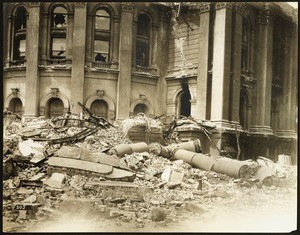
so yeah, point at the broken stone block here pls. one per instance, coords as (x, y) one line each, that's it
(24, 191)
(37, 177)
(69, 152)
(172, 185)
(190, 206)
(56, 180)
(29, 132)
(158, 214)
(165, 176)
(119, 174)
(176, 176)
(79, 165)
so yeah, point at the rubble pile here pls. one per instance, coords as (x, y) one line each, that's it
(104, 174)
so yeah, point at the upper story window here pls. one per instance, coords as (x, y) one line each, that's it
(19, 34)
(245, 44)
(102, 36)
(143, 40)
(58, 32)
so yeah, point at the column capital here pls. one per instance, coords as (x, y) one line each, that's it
(204, 7)
(265, 17)
(241, 8)
(127, 7)
(223, 5)
(80, 4)
(34, 4)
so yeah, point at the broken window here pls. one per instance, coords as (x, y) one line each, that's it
(58, 33)
(245, 44)
(59, 17)
(140, 108)
(16, 106)
(102, 36)
(19, 38)
(99, 108)
(55, 108)
(143, 40)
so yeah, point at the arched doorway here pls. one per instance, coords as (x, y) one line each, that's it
(185, 101)
(99, 108)
(16, 106)
(55, 108)
(141, 108)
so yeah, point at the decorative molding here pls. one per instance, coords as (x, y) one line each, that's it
(15, 92)
(204, 7)
(223, 5)
(54, 91)
(241, 8)
(127, 7)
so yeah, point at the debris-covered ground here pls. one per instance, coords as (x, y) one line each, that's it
(81, 174)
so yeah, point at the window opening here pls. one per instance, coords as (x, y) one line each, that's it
(55, 108)
(19, 40)
(143, 40)
(59, 17)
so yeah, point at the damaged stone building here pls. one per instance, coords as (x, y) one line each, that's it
(234, 64)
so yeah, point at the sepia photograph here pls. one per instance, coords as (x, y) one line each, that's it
(163, 117)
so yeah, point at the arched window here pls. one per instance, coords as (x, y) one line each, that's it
(102, 36)
(55, 108)
(140, 108)
(19, 34)
(58, 32)
(185, 101)
(99, 108)
(16, 106)
(143, 40)
(245, 44)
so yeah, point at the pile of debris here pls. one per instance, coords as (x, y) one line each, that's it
(54, 166)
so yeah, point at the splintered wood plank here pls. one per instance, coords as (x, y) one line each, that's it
(80, 165)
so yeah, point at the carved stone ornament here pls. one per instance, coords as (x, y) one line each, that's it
(54, 91)
(241, 8)
(34, 4)
(80, 4)
(204, 7)
(223, 5)
(15, 91)
(100, 93)
(127, 7)
(265, 17)
(142, 96)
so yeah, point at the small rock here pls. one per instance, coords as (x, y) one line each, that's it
(55, 181)
(158, 214)
(24, 191)
(30, 199)
(139, 220)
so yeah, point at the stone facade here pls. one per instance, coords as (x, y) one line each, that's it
(234, 64)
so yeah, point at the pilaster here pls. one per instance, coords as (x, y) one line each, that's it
(221, 64)
(125, 58)
(116, 38)
(32, 56)
(77, 74)
(203, 62)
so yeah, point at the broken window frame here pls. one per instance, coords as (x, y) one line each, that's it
(102, 35)
(143, 42)
(58, 32)
(19, 34)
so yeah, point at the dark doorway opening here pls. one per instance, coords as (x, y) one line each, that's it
(16, 106)
(55, 108)
(141, 108)
(185, 100)
(99, 108)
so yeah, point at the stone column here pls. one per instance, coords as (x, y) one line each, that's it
(8, 42)
(203, 62)
(32, 56)
(125, 59)
(70, 35)
(221, 64)
(264, 55)
(77, 75)
(116, 38)
(240, 10)
(89, 39)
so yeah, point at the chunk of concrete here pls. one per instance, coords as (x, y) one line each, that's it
(55, 181)
(80, 165)
(119, 174)
(158, 214)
